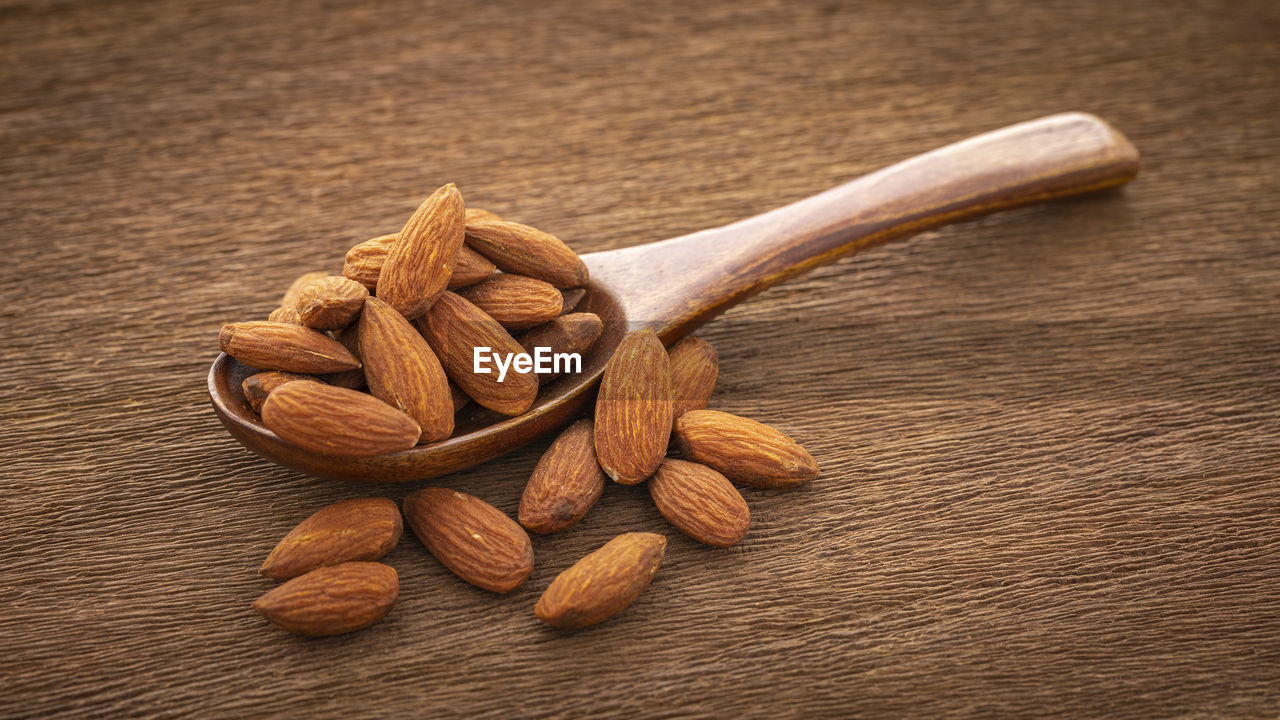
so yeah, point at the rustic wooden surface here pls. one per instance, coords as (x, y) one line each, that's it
(1050, 440)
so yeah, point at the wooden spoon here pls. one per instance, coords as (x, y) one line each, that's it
(676, 285)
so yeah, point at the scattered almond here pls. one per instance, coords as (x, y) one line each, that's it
(337, 421)
(472, 538)
(603, 583)
(361, 529)
(332, 600)
(694, 366)
(280, 346)
(257, 387)
(403, 372)
(633, 409)
(515, 301)
(523, 250)
(700, 501)
(572, 333)
(453, 327)
(419, 264)
(745, 451)
(566, 482)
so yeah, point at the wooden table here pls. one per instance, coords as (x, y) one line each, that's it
(1050, 439)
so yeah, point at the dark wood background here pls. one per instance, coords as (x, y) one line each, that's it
(1050, 439)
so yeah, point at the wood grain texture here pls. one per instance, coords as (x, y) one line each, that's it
(1050, 439)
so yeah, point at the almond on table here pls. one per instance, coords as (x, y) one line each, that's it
(743, 450)
(332, 600)
(700, 501)
(603, 583)
(472, 538)
(566, 482)
(633, 409)
(694, 367)
(346, 531)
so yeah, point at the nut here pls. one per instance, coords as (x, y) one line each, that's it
(280, 346)
(694, 366)
(361, 529)
(572, 333)
(332, 600)
(257, 387)
(515, 301)
(419, 263)
(633, 409)
(523, 250)
(743, 450)
(700, 501)
(566, 482)
(403, 371)
(330, 302)
(337, 421)
(472, 538)
(603, 583)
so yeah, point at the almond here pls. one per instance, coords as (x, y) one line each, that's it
(419, 264)
(257, 387)
(565, 484)
(633, 409)
(453, 327)
(515, 301)
(469, 268)
(281, 346)
(290, 298)
(700, 501)
(330, 302)
(332, 600)
(285, 315)
(349, 336)
(361, 529)
(403, 372)
(572, 333)
(364, 261)
(694, 366)
(478, 215)
(745, 451)
(603, 583)
(570, 298)
(523, 250)
(337, 421)
(472, 538)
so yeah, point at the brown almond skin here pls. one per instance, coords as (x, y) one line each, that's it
(337, 421)
(459, 398)
(472, 538)
(281, 346)
(290, 297)
(743, 450)
(570, 298)
(603, 583)
(330, 302)
(477, 215)
(285, 315)
(453, 327)
(515, 301)
(694, 367)
(633, 409)
(364, 261)
(346, 531)
(700, 501)
(349, 336)
(420, 262)
(566, 482)
(572, 333)
(522, 250)
(332, 600)
(469, 268)
(403, 372)
(257, 387)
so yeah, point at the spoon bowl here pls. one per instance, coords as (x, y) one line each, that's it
(674, 286)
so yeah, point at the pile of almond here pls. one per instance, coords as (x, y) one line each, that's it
(392, 323)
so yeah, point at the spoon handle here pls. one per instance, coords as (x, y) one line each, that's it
(676, 285)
